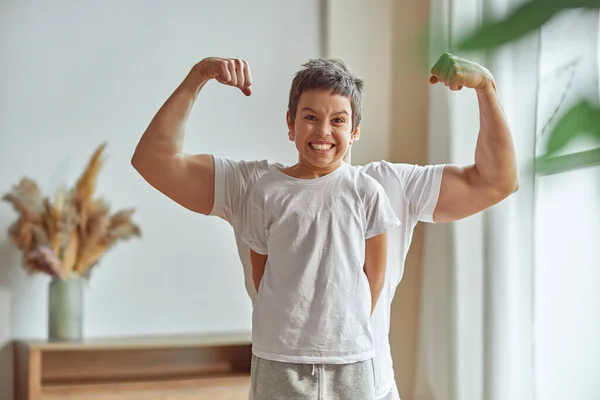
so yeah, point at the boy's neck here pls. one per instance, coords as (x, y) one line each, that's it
(303, 171)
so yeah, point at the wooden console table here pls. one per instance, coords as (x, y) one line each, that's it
(215, 367)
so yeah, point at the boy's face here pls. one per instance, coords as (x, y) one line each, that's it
(322, 129)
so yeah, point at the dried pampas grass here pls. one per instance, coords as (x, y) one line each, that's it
(70, 233)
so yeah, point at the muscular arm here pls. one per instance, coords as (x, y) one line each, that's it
(259, 261)
(375, 265)
(188, 179)
(493, 177)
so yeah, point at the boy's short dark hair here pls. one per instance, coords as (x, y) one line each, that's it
(327, 74)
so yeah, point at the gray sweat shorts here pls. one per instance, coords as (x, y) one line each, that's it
(274, 380)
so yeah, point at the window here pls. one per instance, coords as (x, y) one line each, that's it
(567, 219)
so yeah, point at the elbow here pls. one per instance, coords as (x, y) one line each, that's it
(138, 162)
(508, 187)
(513, 184)
(135, 162)
(136, 157)
(138, 167)
(144, 167)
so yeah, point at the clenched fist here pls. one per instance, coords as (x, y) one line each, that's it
(456, 72)
(228, 71)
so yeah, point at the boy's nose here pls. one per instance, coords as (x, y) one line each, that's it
(324, 130)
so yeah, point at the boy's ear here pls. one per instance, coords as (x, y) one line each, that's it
(355, 136)
(290, 124)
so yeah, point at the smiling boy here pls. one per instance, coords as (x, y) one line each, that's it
(317, 234)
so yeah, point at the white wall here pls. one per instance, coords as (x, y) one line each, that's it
(75, 74)
(360, 32)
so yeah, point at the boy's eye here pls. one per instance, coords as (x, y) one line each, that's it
(310, 118)
(338, 120)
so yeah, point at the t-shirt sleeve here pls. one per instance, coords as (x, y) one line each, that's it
(254, 225)
(380, 216)
(421, 186)
(232, 179)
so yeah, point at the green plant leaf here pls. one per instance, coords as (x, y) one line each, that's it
(523, 20)
(583, 119)
(568, 162)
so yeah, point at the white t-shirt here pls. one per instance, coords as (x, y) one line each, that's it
(314, 301)
(413, 192)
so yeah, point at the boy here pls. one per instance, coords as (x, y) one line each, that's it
(317, 234)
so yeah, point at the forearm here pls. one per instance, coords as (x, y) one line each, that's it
(376, 286)
(375, 266)
(259, 262)
(164, 136)
(494, 154)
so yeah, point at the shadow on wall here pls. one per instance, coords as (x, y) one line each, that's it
(10, 279)
(6, 371)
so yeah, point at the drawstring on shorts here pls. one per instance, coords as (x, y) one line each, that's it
(313, 370)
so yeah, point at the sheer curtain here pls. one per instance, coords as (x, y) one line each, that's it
(476, 330)
(567, 220)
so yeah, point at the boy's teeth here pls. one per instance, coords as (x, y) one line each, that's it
(321, 146)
